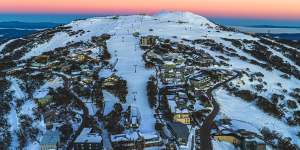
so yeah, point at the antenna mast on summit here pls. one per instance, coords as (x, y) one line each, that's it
(142, 19)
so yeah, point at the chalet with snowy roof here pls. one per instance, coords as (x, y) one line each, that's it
(181, 114)
(135, 140)
(178, 102)
(41, 59)
(130, 140)
(44, 100)
(83, 56)
(50, 117)
(148, 41)
(134, 118)
(229, 137)
(253, 143)
(168, 65)
(244, 139)
(88, 140)
(37, 65)
(50, 140)
(151, 139)
(110, 81)
(199, 82)
(203, 59)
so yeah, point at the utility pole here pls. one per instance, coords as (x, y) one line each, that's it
(134, 95)
(141, 19)
(135, 68)
(116, 53)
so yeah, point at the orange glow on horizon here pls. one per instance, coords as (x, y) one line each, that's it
(273, 9)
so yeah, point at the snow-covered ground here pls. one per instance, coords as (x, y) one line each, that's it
(26, 109)
(126, 52)
(237, 109)
(91, 108)
(44, 89)
(217, 145)
(55, 42)
(13, 116)
(124, 49)
(268, 30)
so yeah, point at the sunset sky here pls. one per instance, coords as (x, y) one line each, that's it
(269, 9)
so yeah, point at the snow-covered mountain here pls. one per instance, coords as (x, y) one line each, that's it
(72, 58)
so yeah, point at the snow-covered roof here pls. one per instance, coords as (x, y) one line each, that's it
(254, 139)
(105, 73)
(86, 136)
(149, 135)
(198, 77)
(172, 105)
(130, 136)
(134, 112)
(169, 63)
(174, 108)
(179, 130)
(50, 137)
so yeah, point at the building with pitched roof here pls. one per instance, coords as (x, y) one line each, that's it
(50, 140)
(88, 140)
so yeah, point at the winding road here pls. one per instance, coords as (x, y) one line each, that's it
(208, 122)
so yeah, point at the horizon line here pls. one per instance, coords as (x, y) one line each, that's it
(153, 13)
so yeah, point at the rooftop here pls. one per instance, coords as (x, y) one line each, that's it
(131, 136)
(50, 137)
(180, 130)
(87, 136)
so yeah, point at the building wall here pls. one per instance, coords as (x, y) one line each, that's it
(48, 146)
(147, 41)
(128, 145)
(230, 139)
(88, 146)
(182, 118)
(261, 147)
(153, 143)
(81, 58)
(252, 145)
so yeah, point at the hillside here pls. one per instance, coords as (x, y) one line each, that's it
(15, 29)
(95, 73)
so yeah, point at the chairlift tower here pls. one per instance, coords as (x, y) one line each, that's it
(116, 53)
(134, 95)
(135, 68)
